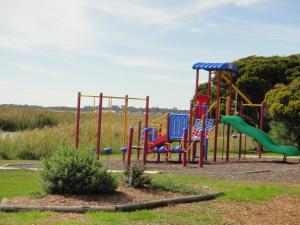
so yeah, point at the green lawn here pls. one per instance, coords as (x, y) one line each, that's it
(23, 182)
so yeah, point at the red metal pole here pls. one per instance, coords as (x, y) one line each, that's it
(147, 112)
(168, 125)
(99, 126)
(197, 82)
(160, 130)
(145, 147)
(190, 131)
(139, 140)
(77, 120)
(184, 145)
(208, 97)
(201, 155)
(229, 113)
(217, 114)
(261, 123)
(241, 135)
(209, 87)
(129, 149)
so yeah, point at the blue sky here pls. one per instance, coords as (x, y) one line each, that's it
(51, 49)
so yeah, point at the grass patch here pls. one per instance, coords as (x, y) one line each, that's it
(23, 218)
(234, 190)
(170, 185)
(18, 182)
(23, 182)
(161, 216)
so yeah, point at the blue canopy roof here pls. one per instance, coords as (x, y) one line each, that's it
(216, 66)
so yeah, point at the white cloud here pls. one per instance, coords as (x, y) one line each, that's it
(165, 15)
(172, 79)
(263, 31)
(34, 25)
(129, 61)
(43, 24)
(33, 69)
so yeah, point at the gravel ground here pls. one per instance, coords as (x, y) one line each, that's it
(264, 170)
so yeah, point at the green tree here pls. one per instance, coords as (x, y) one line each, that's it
(283, 104)
(257, 75)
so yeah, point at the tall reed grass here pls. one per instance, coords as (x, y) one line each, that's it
(14, 119)
(34, 142)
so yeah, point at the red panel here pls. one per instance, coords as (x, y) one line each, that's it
(159, 141)
(201, 100)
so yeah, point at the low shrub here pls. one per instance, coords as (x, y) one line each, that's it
(135, 176)
(73, 171)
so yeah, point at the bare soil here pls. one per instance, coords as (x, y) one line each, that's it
(123, 195)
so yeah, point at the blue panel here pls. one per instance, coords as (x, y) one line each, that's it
(161, 149)
(175, 149)
(107, 150)
(178, 122)
(216, 66)
(153, 133)
(123, 149)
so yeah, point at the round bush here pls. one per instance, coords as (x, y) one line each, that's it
(73, 171)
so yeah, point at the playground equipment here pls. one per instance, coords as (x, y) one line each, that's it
(259, 135)
(225, 71)
(100, 97)
(158, 140)
(192, 129)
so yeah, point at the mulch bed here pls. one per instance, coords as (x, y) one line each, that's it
(283, 209)
(279, 210)
(123, 195)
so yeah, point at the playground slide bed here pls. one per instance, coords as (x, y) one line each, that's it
(267, 169)
(124, 195)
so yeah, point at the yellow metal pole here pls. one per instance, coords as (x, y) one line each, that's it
(112, 97)
(252, 105)
(236, 89)
(125, 121)
(93, 118)
(235, 106)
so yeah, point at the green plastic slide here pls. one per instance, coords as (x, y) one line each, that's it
(261, 137)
